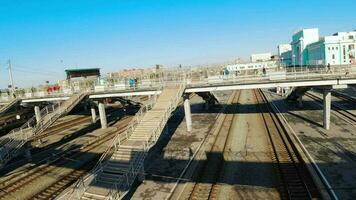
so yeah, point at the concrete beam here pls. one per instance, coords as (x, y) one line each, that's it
(326, 108)
(44, 99)
(102, 115)
(38, 114)
(245, 86)
(124, 94)
(187, 112)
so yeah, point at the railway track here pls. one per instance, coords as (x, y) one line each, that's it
(206, 187)
(8, 191)
(294, 178)
(55, 129)
(349, 116)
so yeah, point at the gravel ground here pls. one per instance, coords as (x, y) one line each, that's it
(334, 150)
(248, 172)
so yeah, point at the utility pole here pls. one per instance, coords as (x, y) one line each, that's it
(10, 75)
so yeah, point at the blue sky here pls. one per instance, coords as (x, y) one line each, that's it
(42, 38)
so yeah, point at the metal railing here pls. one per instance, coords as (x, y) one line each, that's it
(19, 136)
(136, 162)
(215, 75)
(136, 165)
(83, 183)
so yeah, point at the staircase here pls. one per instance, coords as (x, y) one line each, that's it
(208, 97)
(297, 92)
(13, 141)
(116, 171)
(9, 105)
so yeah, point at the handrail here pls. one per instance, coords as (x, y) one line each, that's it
(83, 183)
(135, 163)
(32, 127)
(151, 140)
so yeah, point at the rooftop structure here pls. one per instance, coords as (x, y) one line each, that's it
(282, 48)
(74, 73)
(260, 57)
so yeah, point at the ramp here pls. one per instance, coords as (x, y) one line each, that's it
(208, 97)
(115, 173)
(13, 141)
(297, 92)
(9, 105)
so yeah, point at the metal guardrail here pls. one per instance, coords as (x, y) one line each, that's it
(210, 76)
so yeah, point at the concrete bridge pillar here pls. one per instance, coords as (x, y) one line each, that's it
(327, 108)
(300, 101)
(207, 106)
(28, 152)
(102, 115)
(187, 112)
(37, 114)
(93, 115)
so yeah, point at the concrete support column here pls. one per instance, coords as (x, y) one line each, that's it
(28, 152)
(300, 101)
(37, 113)
(93, 114)
(327, 108)
(102, 115)
(207, 105)
(187, 112)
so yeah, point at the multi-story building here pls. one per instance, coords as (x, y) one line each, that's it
(338, 49)
(307, 48)
(285, 54)
(300, 40)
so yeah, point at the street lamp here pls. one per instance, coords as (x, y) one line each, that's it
(282, 62)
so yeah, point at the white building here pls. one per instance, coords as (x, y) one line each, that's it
(282, 48)
(338, 49)
(260, 57)
(300, 40)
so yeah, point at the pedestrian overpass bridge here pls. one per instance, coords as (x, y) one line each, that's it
(212, 83)
(199, 84)
(122, 162)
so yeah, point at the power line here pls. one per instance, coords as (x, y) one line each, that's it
(37, 72)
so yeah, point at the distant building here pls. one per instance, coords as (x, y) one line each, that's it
(260, 57)
(283, 48)
(307, 48)
(286, 58)
(300, 40)
(76, 73)
(338, 49)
